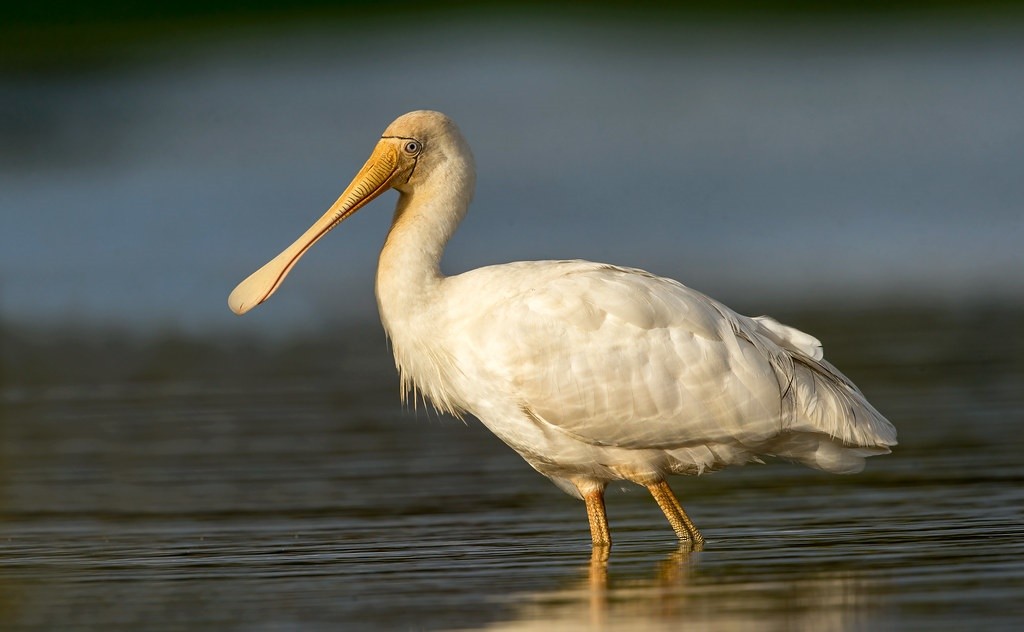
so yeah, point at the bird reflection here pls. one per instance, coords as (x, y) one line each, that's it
(670, 576)
(670, 571)
(675, 592)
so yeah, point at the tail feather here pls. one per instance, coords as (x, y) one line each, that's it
(822, 401)
(827, 402)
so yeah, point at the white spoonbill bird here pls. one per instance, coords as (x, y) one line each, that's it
(591, 372)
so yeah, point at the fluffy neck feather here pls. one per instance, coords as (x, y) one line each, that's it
(409, 278)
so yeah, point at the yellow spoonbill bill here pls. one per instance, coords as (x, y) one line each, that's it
(591, 372)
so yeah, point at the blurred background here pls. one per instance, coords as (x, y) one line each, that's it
(771, 154)
(852, 168)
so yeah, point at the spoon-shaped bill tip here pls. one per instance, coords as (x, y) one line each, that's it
(372, 180)
(258, 286)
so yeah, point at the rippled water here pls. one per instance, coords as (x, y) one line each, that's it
(299, 495)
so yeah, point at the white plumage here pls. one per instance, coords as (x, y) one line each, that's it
(591, 372)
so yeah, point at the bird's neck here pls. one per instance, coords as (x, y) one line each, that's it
(410, 284)
(409, 273)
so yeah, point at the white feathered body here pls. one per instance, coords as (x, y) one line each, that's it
(591, 372)
(597, 372)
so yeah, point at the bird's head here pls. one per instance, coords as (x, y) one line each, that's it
(409, 151)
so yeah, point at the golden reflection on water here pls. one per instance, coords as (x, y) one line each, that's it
(675, 594)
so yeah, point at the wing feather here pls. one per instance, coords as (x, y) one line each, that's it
(620, 357)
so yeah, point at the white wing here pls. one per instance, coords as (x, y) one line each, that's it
(619, 357)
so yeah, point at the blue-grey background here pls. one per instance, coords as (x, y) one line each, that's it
(769, 164)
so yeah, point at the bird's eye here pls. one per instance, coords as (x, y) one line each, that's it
(412, 148)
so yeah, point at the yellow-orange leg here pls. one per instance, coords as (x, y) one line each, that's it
(598, 518)
(681, 523)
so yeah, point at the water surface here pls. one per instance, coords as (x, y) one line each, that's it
(284, 487)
